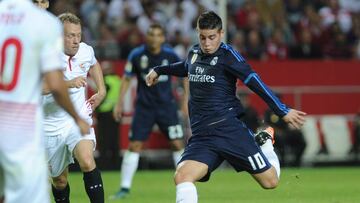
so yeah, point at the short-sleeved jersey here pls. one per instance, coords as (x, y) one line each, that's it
(140, 62)
(75, 66)
(213, 80)
(27, 50)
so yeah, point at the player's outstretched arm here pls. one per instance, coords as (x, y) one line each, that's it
(295, 118)
(59, 90)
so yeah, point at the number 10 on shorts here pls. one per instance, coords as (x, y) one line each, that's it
(258, 159)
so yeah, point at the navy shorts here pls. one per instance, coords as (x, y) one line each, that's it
(165, 116)
(228, 140)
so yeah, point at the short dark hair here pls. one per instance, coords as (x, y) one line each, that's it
(156, 26)
(209, 20)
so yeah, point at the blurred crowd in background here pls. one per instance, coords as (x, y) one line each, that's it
(258, 29)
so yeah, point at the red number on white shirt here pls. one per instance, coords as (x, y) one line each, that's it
(11, 50)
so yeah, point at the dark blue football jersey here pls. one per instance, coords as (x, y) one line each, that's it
(139, 63)
(212, 82)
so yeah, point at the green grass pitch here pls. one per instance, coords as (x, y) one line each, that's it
(304, 185)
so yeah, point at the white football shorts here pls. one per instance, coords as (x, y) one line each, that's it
(60, 147)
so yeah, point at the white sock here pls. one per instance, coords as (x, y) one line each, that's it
(177, 156)
(186, 193)
(128, 168)
(268, 150)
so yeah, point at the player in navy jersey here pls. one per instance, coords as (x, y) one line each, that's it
(213, 68)
(154, 105)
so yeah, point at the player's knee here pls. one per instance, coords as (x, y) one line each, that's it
(181, 177)
(87, 164)
(136, 146)
(60, 182)
(177, 145)
(270, 183)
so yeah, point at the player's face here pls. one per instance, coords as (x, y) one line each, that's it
(43, 4)
(72, 38)
(210, 40)
(155, 38)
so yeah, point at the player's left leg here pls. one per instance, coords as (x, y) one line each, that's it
(244, 154)
(129, 167)
(141, 126)
(270, 178)
(83, 152)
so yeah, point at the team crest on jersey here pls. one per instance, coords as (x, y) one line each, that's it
(165, 62)
(194, 57)
(213, 62)
(144, 62)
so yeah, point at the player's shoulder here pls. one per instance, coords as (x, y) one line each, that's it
(85, 49)
(168, 49)
(85, 46)
(170, 53)
(39, 16)
(47, 29)
(137, 51)
(49, 17)
(195, 49)
(231, 53)
(43, 17)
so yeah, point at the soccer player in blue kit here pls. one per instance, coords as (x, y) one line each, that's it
(218, 134)
(154, 105)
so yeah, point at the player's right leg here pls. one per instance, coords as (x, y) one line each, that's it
(270, 178)
(187, 173)
(60, 187)
(59, 157)
(199, 159)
